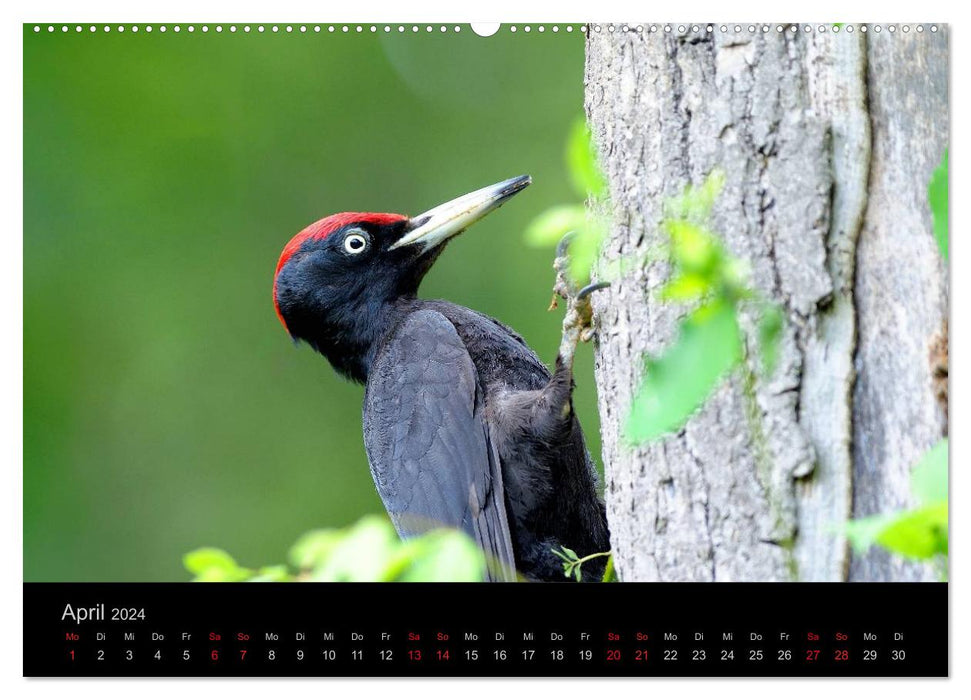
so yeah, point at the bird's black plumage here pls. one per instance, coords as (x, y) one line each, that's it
(464, 426)
(428, 439)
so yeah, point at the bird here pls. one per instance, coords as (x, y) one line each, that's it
(464, 426)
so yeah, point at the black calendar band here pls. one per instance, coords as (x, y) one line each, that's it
(651, 629)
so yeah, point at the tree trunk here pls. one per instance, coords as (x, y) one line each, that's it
(827, 142)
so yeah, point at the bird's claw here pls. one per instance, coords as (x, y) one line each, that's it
(564, 285)
(563, 246)
(590, 289)
(578, 321)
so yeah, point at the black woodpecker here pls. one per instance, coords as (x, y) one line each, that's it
(464, 426)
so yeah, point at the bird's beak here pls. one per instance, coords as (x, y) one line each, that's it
(437, 225)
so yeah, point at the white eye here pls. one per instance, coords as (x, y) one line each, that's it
(355, 243)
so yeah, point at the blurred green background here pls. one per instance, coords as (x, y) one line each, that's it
(165, 408)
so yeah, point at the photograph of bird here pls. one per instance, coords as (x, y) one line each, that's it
(464, 426)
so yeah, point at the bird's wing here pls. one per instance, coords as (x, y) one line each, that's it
(428, 441)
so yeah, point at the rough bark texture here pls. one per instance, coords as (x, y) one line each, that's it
(901, 284)
(827, 142)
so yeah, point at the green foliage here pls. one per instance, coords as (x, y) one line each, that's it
(369, 550)
(212, 564)
(581, 162)
(937, 196)
(585, 247)
(573, 563)
(610, 574)
(920, 533)
(709, 342)
(546, 230)
(444, 555)
(709, 345)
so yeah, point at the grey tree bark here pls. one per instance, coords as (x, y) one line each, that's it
(827, 142)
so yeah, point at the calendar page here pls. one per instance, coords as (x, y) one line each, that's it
(545, 349)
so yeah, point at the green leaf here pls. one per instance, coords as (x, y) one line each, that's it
(937, 196)
(578, 574)
(929, 478)
(570, 553)
(581, 162)
(204, 558)
(363, 553)
(370, 550)
(584, 249)
(735, 273)
(610, 575)
(693, 249)
(313, 548)
(272, 573)
(862, 533)
(546, 230)
(686, 287)
(443, 555)
(769, 332)
(588, 234)
(213, 564)
(708, 347)
(919, 534)
(549, 227)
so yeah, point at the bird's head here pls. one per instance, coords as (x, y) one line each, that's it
(336, 276)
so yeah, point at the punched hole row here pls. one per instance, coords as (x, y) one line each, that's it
(291, 28)
(444, 29)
